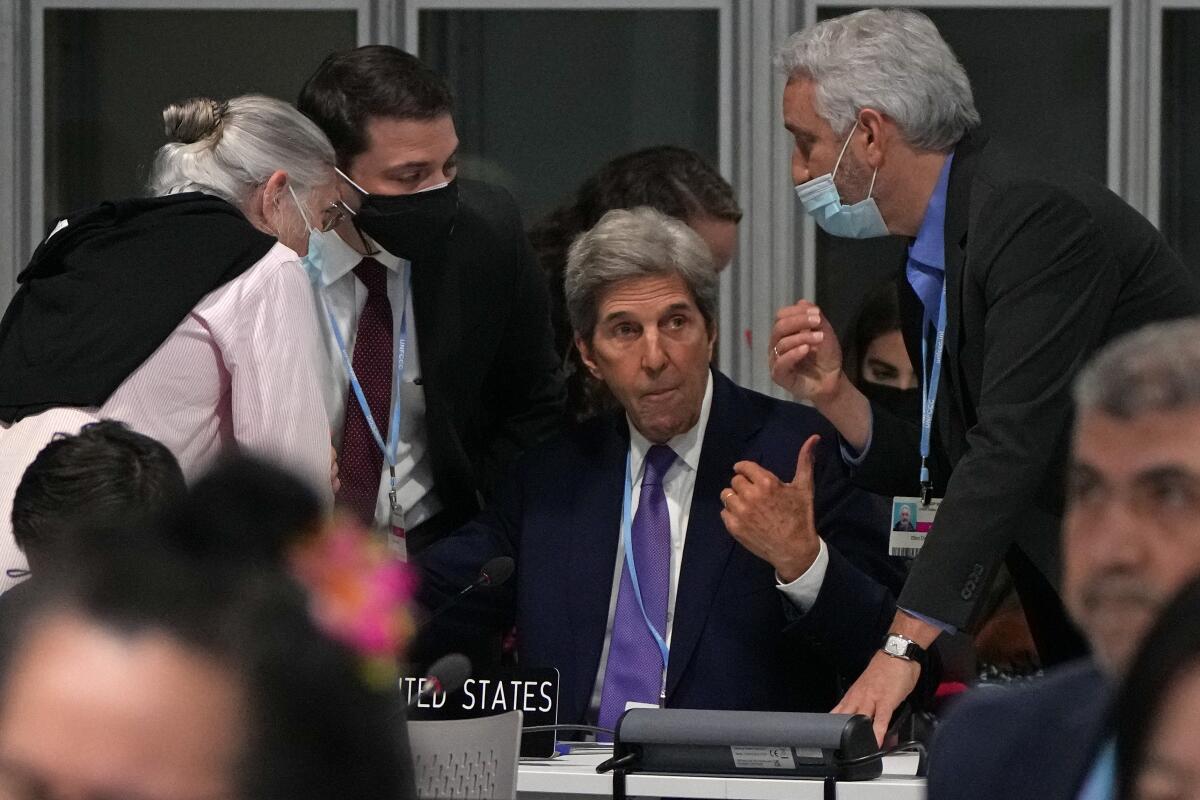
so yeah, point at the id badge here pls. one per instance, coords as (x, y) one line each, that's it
(396, 533)
(911, 521)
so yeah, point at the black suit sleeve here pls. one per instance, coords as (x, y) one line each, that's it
(475, 624)
(848, 621)
(1047, 280)
(891, 466)
(527, 374)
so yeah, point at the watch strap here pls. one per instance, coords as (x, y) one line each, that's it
(898, 646)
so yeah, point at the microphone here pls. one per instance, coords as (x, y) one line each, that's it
(493, 573)
(447, 675)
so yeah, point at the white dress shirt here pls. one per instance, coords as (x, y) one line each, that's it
(238, 372)
(345, 295)
(678, 486)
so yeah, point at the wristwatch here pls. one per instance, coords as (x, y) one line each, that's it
(898, 646)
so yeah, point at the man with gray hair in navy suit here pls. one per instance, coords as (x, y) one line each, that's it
(702, 547)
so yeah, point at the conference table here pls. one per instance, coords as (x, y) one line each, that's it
(574, 776)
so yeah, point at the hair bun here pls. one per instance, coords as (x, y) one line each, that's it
(193, 120)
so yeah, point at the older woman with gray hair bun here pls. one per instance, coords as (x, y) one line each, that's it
(187, 314)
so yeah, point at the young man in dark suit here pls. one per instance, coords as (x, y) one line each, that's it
(763, 573)
(1037, 272)
(1131, 540)
(422, 258)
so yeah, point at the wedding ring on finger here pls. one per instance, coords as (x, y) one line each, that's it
(775, 350)
(725, 495)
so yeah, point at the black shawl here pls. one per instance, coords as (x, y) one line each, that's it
(102, 293)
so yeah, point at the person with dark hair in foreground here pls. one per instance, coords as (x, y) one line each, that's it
(673, 180)
(1131, 539)
(430, 301)
(1158, 708)
(243, 511)
(140, 676)
(105, 473)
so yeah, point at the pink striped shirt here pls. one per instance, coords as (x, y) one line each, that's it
(239, 371)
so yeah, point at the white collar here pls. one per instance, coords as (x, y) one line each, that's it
(687, 445)
(340, 258)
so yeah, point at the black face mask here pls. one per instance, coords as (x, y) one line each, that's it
(412, 226)
(904, 403)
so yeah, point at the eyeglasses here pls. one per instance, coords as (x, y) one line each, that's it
(335, 214)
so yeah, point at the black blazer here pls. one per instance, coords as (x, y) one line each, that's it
(491, 377)
(1040, 273)
(1038, 741)
(736, 641)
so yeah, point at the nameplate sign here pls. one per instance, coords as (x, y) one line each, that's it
(530, 690)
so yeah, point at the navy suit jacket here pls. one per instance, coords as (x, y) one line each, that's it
(737, 643)
(1037, 741)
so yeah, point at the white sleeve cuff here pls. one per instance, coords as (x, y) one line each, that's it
(804, 590)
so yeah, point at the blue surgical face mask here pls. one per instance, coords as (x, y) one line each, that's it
(318, 245)
(822, 202)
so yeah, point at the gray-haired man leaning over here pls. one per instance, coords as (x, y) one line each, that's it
(1131, 539)
(1020, 271)
(762, 571)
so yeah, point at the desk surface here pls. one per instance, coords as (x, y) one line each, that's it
(576, 775)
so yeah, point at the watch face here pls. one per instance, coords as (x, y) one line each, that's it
(894, 646)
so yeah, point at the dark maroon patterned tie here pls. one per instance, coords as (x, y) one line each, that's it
(360, 462)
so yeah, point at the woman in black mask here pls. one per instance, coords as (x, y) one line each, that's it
(880, 366)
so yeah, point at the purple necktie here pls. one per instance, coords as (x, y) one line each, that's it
(635, 663)
(360, 461)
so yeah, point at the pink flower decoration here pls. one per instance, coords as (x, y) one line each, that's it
(358, 591)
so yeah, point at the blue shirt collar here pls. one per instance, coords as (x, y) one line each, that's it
(929, 248)
(1101, 781)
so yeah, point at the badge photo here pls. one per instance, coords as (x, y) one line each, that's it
(910, 523)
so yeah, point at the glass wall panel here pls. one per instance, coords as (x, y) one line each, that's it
(545, 97)
(1040, 77)
(1179, 201)
(109, 73)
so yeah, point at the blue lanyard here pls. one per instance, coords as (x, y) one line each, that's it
(1101, 778)
(393, 441)
(929, 390)
(627, 538)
